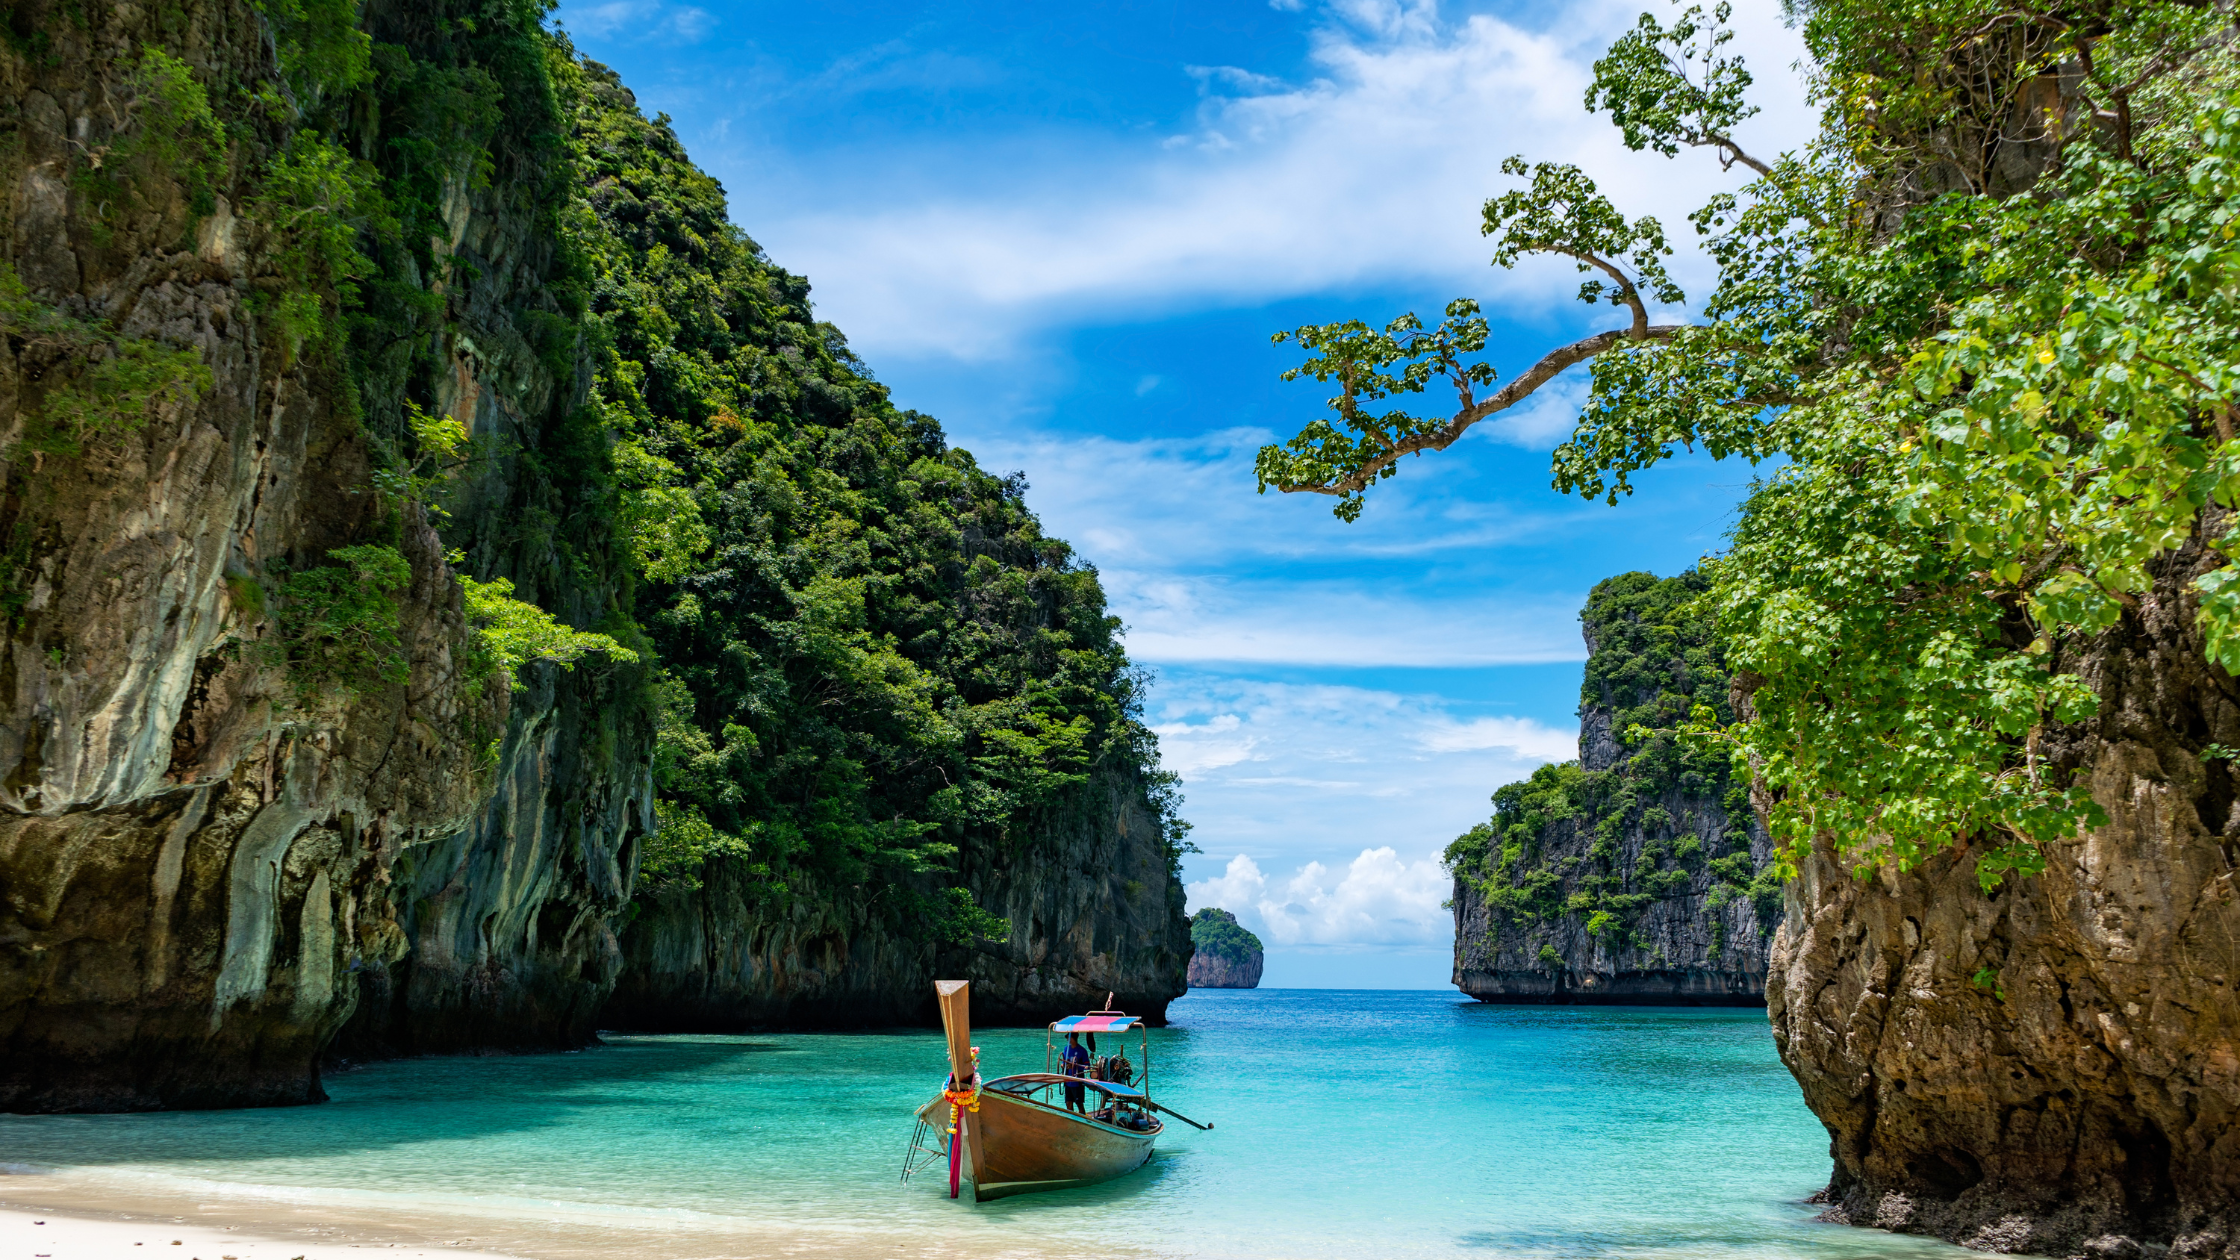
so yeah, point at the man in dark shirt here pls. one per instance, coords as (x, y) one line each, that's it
(1074, 1062)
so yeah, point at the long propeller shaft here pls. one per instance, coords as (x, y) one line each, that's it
(1178, 1115)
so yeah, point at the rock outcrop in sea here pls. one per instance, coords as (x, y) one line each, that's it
(1638, 873)
(2052, 1066)
(1229, 956)
(303, 326)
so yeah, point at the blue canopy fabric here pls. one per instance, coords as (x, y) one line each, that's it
(1095, 1023)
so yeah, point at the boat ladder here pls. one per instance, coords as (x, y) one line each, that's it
(920, 1155)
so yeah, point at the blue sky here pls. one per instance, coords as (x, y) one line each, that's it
(1068, 231)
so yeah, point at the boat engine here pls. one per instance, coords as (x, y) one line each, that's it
(1117, 1069)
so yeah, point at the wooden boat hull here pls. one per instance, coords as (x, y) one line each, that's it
(1025, 1147)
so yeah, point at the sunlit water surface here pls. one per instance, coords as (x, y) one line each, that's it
(1353, 1123)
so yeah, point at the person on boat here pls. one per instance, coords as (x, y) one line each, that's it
(1074, 1062)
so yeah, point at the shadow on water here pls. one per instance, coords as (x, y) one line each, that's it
(390, 1104)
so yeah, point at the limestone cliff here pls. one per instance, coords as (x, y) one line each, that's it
(1087, 906)
(1636, 874)
(214, 818)
(208, 846)
(900, 737)
(2052, 1067)
(1228, 957)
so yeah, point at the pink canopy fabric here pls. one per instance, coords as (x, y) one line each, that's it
(1095, 1023)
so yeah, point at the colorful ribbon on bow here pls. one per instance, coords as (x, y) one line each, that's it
(960, 1101)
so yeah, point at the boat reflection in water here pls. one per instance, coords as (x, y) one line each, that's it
(1014, 1135)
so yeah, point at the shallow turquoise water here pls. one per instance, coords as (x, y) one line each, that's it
(1347, 1123)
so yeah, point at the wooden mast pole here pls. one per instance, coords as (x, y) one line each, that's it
(955, 997)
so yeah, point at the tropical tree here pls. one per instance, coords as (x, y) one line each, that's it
(1982, 326)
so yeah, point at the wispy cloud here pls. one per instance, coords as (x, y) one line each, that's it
(1521, 736)
(1201, 569)
(897, 65)
(646, 21)
(1343, 622)
(1372, 169)
(1542, 420)
(1186, 501)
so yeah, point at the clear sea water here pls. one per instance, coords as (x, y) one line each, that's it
(1348, 1123)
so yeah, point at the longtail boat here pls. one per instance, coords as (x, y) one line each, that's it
(1007, 1136)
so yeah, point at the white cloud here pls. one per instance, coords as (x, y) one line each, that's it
(1373, 170)
(1210, 745)
(1522, 736)
(1377, 899)
(1316, 773)
(1240, 884)
(1231, 76)
(1544, 419)
(642, 21)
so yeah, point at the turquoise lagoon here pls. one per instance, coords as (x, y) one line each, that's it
(1348, 1123)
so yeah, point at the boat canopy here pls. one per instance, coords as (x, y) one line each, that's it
(1095, 1023)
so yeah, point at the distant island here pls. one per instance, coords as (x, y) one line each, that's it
(1228, 954)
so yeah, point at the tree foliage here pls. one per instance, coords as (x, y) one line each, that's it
(1984, 325)
(510, 633)
(340, 623)
(873, 658)
(1216, 932)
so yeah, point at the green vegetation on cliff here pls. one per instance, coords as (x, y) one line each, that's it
(1215, 931)
(1653, 659)
(871, 654)
(1997, 417)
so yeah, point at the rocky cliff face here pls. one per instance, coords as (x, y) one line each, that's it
(1638, 873)
(1087, 906)
(2053, 1067)
(1212, 971)
(207, 847)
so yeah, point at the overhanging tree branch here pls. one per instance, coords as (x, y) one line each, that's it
(1551, 365)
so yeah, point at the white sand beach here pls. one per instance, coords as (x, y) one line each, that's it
(35, 1234)
(68, 1215)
